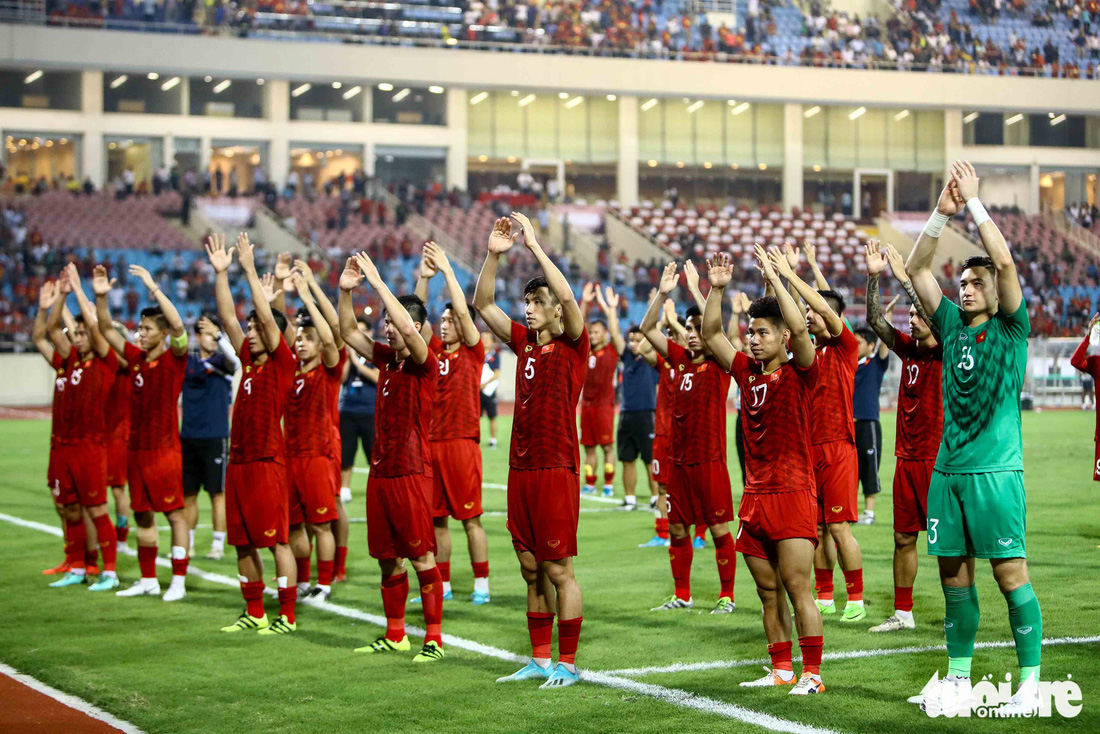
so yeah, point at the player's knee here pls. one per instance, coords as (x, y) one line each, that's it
(440, 522)
(1010, 573)
(559, 574)
(147, 519)
(677, 531)
(839, 530)
(905, 541)
(717, 531)
(323, 528)
(472, 523)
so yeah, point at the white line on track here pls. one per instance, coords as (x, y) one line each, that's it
(673, 696)
(490, 485)
(71, 701)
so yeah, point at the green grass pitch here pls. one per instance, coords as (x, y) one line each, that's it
(166, 668)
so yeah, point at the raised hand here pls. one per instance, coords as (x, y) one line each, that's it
(300, 286)
(502, 237)
(366, 266)
(737, 303)
(528, 230)
(610, 299)
(810, 251)
(435, 258)
(766, 266)
(668, 280)
(143, 274)
(719, 270)
(792, 255)
(875, 256)
(101, 285)
(206, 326)
(897, 265)
(966, 179)
(691, 274)
(780, 262)
(267, 283)
(220, 257)
(1092, 323)
(64, 283)
(950, 202)
(588, 294)
(302, 268)
(351, 277)
(282, 266)
(74, 275)
(245, 253)
(744, 302)
(47, 295)
(668, 309)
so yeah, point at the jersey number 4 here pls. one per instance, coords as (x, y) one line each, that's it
(247, 386)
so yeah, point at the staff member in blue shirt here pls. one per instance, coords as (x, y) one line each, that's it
(357, 397)
(874, 356)
(204, 435)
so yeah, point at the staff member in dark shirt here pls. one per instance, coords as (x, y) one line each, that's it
(874, 356)
(207, 393)
(490, 381)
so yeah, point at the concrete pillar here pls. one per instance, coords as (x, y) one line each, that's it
(277, 110)
(1033, 205)
(185, 95)
(457, 150)
(626, 177)
(367, 99)
(168, 151)
(94, 162)
(792, 156)
(952, 139)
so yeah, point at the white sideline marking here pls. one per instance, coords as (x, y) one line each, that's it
(71, 701)
(849, 655)
(490, 485)
(673, 696)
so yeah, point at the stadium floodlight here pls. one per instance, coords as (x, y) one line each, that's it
(573, 102)
(300, 90)
(385, 87)
(857, 113)
(648, 105)
(527, 100)
(1057, 120)
(812, 111)
(174, 81)
(744, 106)
(479, 98)
(695, 107)
(222, 86)
(901, 115)
(970, 118)
(33, 77)
(652, 164)
(336, 85)
(563, 95)
(352, 92)
(1014, 119)
(611, 98)
(402, 94)
(259, 82)
(118, 81)
(435, 89)
(152, 76)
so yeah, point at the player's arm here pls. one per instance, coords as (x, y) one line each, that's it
(176, 330)
(275, 292)
(280, 275)
(719, 272)
(670, 320)
(99, 342)
(437, 259)
(811, 256)
(425, 274)
(1080, 358)
(414, 340)
(55, 329)
(739, 304)
(571, 317)
(609, 304)
(692, 277)
(101, 286)
(810, 295)
(500, 241)
(1009, 292)
(919, 265)
(897, 266)
(876, 319)
(800, 344)
(330, 355)
(349, 329)
(367, 371)
(265, 320)
(47, 296)
(650, 325)
(220, 260)
(225, 347)
(324, 305)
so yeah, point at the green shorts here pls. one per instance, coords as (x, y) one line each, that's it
(977, 515)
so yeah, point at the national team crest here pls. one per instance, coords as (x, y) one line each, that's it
(981, 338)
(548, 348)
(528, 348)
(752, 379)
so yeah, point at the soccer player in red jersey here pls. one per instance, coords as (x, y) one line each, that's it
(80, 467)
(310, 432)
(399, 489)
(1090, 365)
(455, 433)
(256, 502)
(919, 425)
(699, 489)
(836, 465)
(154, 462)
(598, 399)
(544, 458)
(118, 419)
(778, 510)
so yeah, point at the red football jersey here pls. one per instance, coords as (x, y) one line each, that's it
(403, 414)
(256, 432)
(775, 419)
(60, 425)
(89, 381)
(118, 405)
(309, 410)
(154, 394)
(599, 383)
(549, 378)
(1089, 364)
(666, 393)
(833, 409)
(920, 399)
(457, 412)
(699, 409)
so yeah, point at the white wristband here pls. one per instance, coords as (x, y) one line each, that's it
(981, 216)
(934, 227)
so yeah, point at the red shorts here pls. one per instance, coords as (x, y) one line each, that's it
(543, 511)
(156, 479)
(699, 494)
(399, 516)
(312, 490)
(836, 467)
(80, 474)
(1096, 465)
(767, 518)
(456, 482)
(337, 474)
(117, 451)
(256, 504)
(597, 425)
(911, 480)
(660, 459)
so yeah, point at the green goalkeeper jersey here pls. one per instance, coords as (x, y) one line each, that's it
(983, 375)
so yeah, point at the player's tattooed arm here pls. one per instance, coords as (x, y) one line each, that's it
(800, 344)
(813, 299)
(395, 311)
(324, 305)
(500, 241)
(876, 264)
(349, 328)
(54, 327)
(691, 275)
(897, 266)
(650, 325)
(609, 304)
(87, 311)
(220, 259)
(719, 272)
(572, 320)
(330, 355)
(47, 296)
(460, 310)
(1009, 293)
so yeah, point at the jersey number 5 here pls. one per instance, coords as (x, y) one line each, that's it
(529, 368)
(139, 381)
(685, 382)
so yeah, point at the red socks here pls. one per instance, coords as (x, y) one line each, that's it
(481, 570)
(122, 533)
(395, 591)
(701, 531)
(680, 554)
(303, 569)
(853, 581)
(288, 601)
(253, 593)
(341, 562)
(725, 552)
(540, 625)
(147, 561)
(179, 566)
(780, 653)
(589, 476)
(76, 537)
(903, 598)
(324, 573)
(823, 580)
(661, 525)
(569, 634)
(444, 570)
(608, 478)
(431, 594)
(90, 556)
(108, 541)
(811, 654)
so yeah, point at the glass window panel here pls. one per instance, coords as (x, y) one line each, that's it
(710, 140)
(541, 119)
(509, 127)
(212, 96)
(603, 121)
(930, 141)
(479, 124)
(841, 144)
(901, 139)
(871, 134)
(769, 134)
(679, 135)
(651, 131)
(53, 90)
(814, 136)
(739, 135)
(573, 131)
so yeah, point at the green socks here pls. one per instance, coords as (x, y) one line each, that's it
(962, 615)
(1026, 620)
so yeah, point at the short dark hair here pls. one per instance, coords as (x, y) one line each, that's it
(279, 316)
(866, 332)
(154, 312)
(767, 307)
(412, 303)
(469, 307)
(691, 313)
(212, 318)
(365, 321)
(978, 261)
(78, 318)
(304, 320)
(540, 282)
(601, 322)
(837, 304)
(635, 330)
